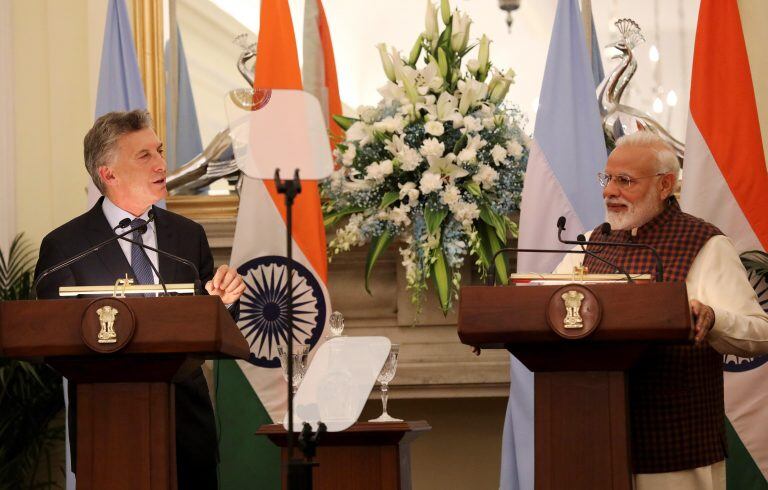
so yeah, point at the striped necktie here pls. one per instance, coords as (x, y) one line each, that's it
(140, 264)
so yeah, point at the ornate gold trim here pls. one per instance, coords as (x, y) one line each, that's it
(147, 16)
(204, 207)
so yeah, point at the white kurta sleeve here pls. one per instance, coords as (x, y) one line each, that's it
(718, 279)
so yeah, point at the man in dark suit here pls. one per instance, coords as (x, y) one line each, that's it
(125, 160)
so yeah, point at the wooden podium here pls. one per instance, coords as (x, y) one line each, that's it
(581, 410)
(369, 455)
(124, 372)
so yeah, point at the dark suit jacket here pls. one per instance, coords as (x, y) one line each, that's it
(196, 439)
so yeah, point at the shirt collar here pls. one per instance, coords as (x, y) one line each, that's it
(116, 214)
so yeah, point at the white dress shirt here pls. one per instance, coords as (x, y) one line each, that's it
(114, 215)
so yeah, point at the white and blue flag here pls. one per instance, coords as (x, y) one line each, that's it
(120, 86)
(567, 152)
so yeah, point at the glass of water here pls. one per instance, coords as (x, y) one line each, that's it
(300, 353)
(335, 324)
(386, 375)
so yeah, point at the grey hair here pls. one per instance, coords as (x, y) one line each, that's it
(666, 160)
(100, 142)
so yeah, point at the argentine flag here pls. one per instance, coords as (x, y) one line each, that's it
(567, 152)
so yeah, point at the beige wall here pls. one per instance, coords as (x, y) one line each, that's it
(463, 449)
(54, 94)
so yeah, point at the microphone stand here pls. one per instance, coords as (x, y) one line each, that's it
(299, 470)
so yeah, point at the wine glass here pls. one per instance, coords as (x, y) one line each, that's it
(385, 376)
(335, 324)
(300, 353)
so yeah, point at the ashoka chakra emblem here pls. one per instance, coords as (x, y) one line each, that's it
(264, 307)
(759, 282)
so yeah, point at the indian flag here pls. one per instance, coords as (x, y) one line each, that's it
(253, 393)
(725, 181)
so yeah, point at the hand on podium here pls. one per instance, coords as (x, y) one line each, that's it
(703, 320)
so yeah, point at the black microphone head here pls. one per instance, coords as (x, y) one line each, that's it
(581, 238)
(151, 214)
(605, 228)
(561, 223)
(124, 223)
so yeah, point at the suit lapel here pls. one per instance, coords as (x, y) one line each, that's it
(111, 254)
(167, 241)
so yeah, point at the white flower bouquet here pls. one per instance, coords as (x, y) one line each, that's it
(438, 163)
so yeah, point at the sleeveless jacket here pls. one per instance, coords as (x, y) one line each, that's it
(677, 411)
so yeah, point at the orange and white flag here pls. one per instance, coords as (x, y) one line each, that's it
(259, 249)
(725, 181)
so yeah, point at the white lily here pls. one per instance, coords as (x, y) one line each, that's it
(391, 92)
(473, 66)
(386, 61)
(430, 23)
(482, 57)
(429, 78)
(445, 167)
(500, 85)
(459, 31)
(446, 106)
(472, 91)
(445, 11)
(361, 132)
(407, 76)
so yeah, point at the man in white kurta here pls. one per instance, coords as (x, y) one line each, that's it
(640, 175)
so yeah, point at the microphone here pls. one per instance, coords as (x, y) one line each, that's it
(123, 223)
(605, 229)
(581, 241)
(83, 254)
(198, 288)
(143, 229)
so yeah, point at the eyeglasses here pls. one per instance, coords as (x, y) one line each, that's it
(623, 181)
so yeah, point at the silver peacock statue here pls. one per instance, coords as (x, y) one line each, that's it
(217, 160)
(619, 119)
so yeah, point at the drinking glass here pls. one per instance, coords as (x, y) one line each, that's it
(336, 324)
(385, 376)
(300, 353)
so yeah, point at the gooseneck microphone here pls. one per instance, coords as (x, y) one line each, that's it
(605, 229)
(581, 241)
(85, 253)
(143, 229)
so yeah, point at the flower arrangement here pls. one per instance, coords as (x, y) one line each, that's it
(438, 163)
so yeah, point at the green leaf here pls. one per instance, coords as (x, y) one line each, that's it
(489, 244)
(388, 199)
(378, 246)
(434, 218)
(473, 188)
(331, 219)
(460, 144)
(484, 248)
(494, 244)
(442, 284)
(497, 222)
(344, 122)
(444, 41)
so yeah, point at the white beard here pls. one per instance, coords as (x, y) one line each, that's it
(637, 214)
